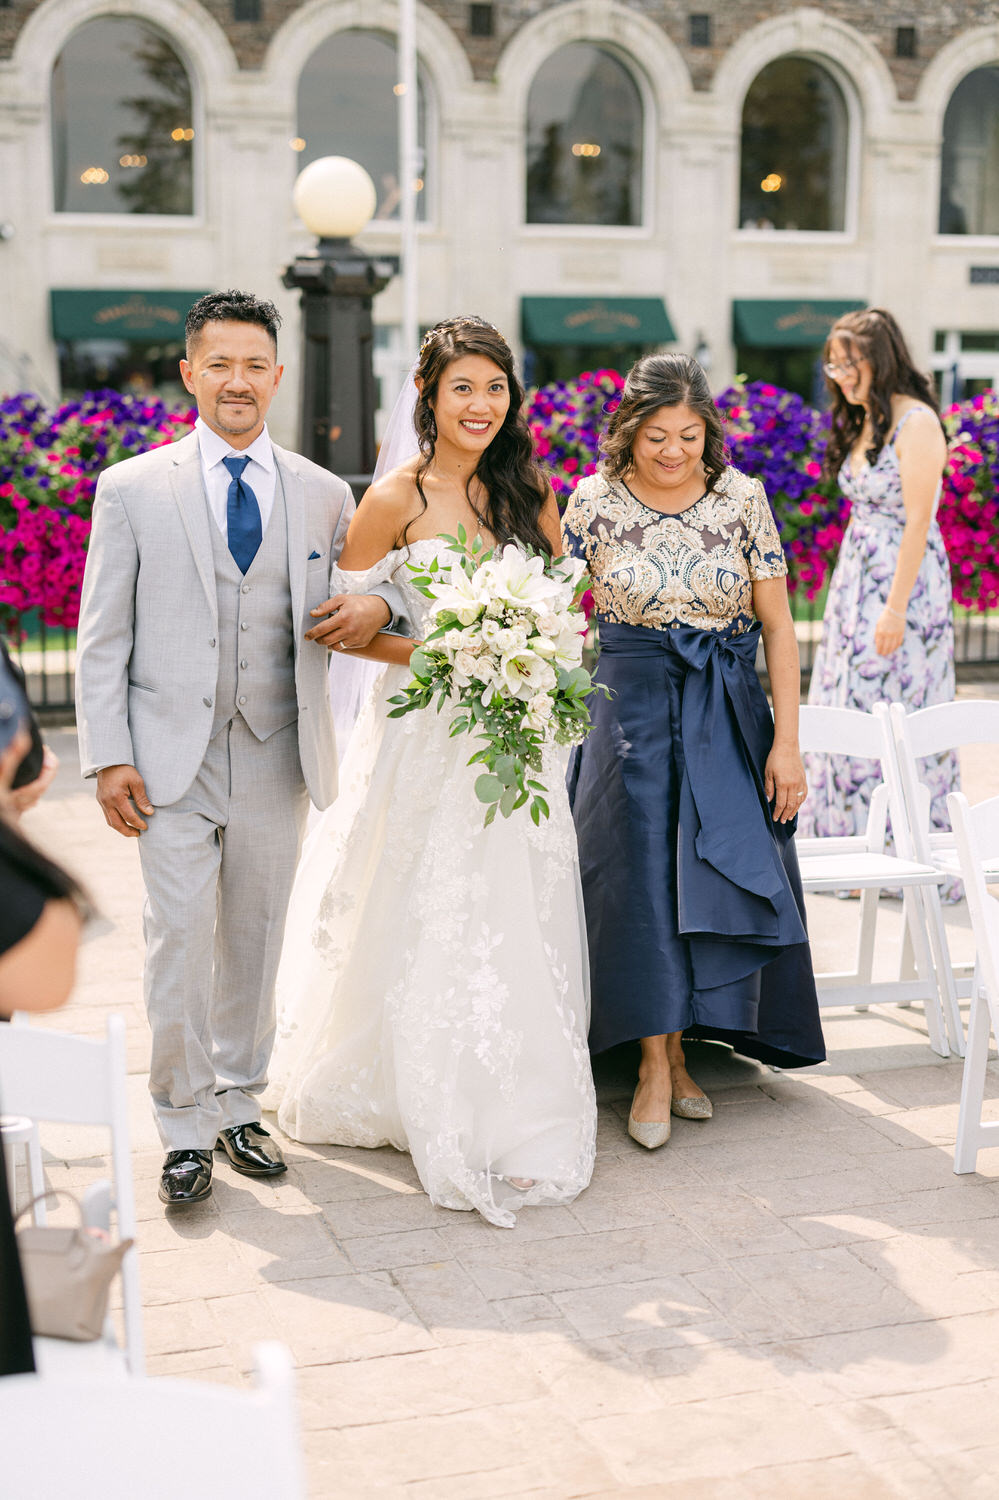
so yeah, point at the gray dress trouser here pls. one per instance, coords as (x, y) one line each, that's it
(218, 866)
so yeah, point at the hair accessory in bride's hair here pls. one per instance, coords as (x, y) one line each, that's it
(453, 325)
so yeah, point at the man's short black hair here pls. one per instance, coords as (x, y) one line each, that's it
(231, 307)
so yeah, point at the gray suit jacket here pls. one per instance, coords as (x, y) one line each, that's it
(149, 616)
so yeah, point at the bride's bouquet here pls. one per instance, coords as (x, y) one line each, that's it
(506, 653)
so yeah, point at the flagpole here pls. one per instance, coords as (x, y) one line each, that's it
(409, 172)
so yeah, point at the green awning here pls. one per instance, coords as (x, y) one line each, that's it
(139, 317)
(596, 320)
(803, 324)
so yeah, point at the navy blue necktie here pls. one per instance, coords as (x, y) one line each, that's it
(242, 515)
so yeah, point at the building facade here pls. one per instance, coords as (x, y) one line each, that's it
(598, 177)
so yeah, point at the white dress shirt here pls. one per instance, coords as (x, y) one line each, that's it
(260, 473)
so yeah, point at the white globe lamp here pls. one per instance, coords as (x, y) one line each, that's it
(334, 197)
(338, 281)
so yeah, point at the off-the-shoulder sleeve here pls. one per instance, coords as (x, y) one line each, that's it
(764, 554)
(577, 539)
(352, 581)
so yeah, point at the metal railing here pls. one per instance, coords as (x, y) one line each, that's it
(976, 639)
(48, 660)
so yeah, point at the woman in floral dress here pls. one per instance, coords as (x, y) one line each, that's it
(888, 631)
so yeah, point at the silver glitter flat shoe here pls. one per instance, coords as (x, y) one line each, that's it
(649, 1133)
(698, 1108)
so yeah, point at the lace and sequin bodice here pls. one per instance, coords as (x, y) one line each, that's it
(696, 568)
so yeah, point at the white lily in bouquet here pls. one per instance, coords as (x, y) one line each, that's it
(505, 653)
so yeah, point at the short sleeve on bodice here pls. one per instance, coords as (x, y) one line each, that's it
(696, 568)
(363, 580)
(765, 555)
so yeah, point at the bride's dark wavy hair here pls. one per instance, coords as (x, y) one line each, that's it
(875, 336)
(516, 488)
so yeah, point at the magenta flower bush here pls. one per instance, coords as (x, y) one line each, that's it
(49, 463)
(566, 422)
(779, 438)
(969, 506)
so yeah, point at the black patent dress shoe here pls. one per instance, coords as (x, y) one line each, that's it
(186, 1177)
(251, 1151)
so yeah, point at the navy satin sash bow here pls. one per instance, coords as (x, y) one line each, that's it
(731, 881)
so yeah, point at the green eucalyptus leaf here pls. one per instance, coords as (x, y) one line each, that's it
(488, 788)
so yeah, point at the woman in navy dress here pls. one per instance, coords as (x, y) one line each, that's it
(686, 792)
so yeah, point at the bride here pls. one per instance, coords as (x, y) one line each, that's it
(431, 994)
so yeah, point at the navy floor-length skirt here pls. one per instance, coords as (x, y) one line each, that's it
(694, 909)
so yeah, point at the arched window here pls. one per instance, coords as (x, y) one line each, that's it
(122, 122)
(347, 107)
(795, 141)
(584, 140)
(969, 160)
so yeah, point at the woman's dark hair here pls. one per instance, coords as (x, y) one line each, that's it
(25, 862)
(875, 336)
(662, 380)
(515, 486)
(230, 307)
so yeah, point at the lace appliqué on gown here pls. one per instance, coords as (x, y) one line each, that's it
(432, 992)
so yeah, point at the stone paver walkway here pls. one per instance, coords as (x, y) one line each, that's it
(798, 1298)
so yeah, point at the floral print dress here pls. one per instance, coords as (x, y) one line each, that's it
(848, 672)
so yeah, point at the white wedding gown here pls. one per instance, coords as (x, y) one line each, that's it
(432, 993)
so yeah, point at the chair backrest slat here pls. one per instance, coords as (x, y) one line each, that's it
(840, 731)
(948, 726)
(53, 1077)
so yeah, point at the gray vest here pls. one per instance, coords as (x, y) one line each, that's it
(256, 640)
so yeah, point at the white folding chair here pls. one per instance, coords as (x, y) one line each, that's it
(976, 839)
(101, 1440)
(15, 1131)
(929, 732)
(861, 862)
(53, 1077)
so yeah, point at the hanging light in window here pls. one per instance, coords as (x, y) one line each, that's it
(772, 183)
(182, 133)
(585, 148)
(297, 143)
(398, 89)
(93, 176)
(133, 159)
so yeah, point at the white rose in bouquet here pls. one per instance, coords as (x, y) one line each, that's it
(465, 666)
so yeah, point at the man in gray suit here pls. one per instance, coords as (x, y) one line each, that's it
(204, 714)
